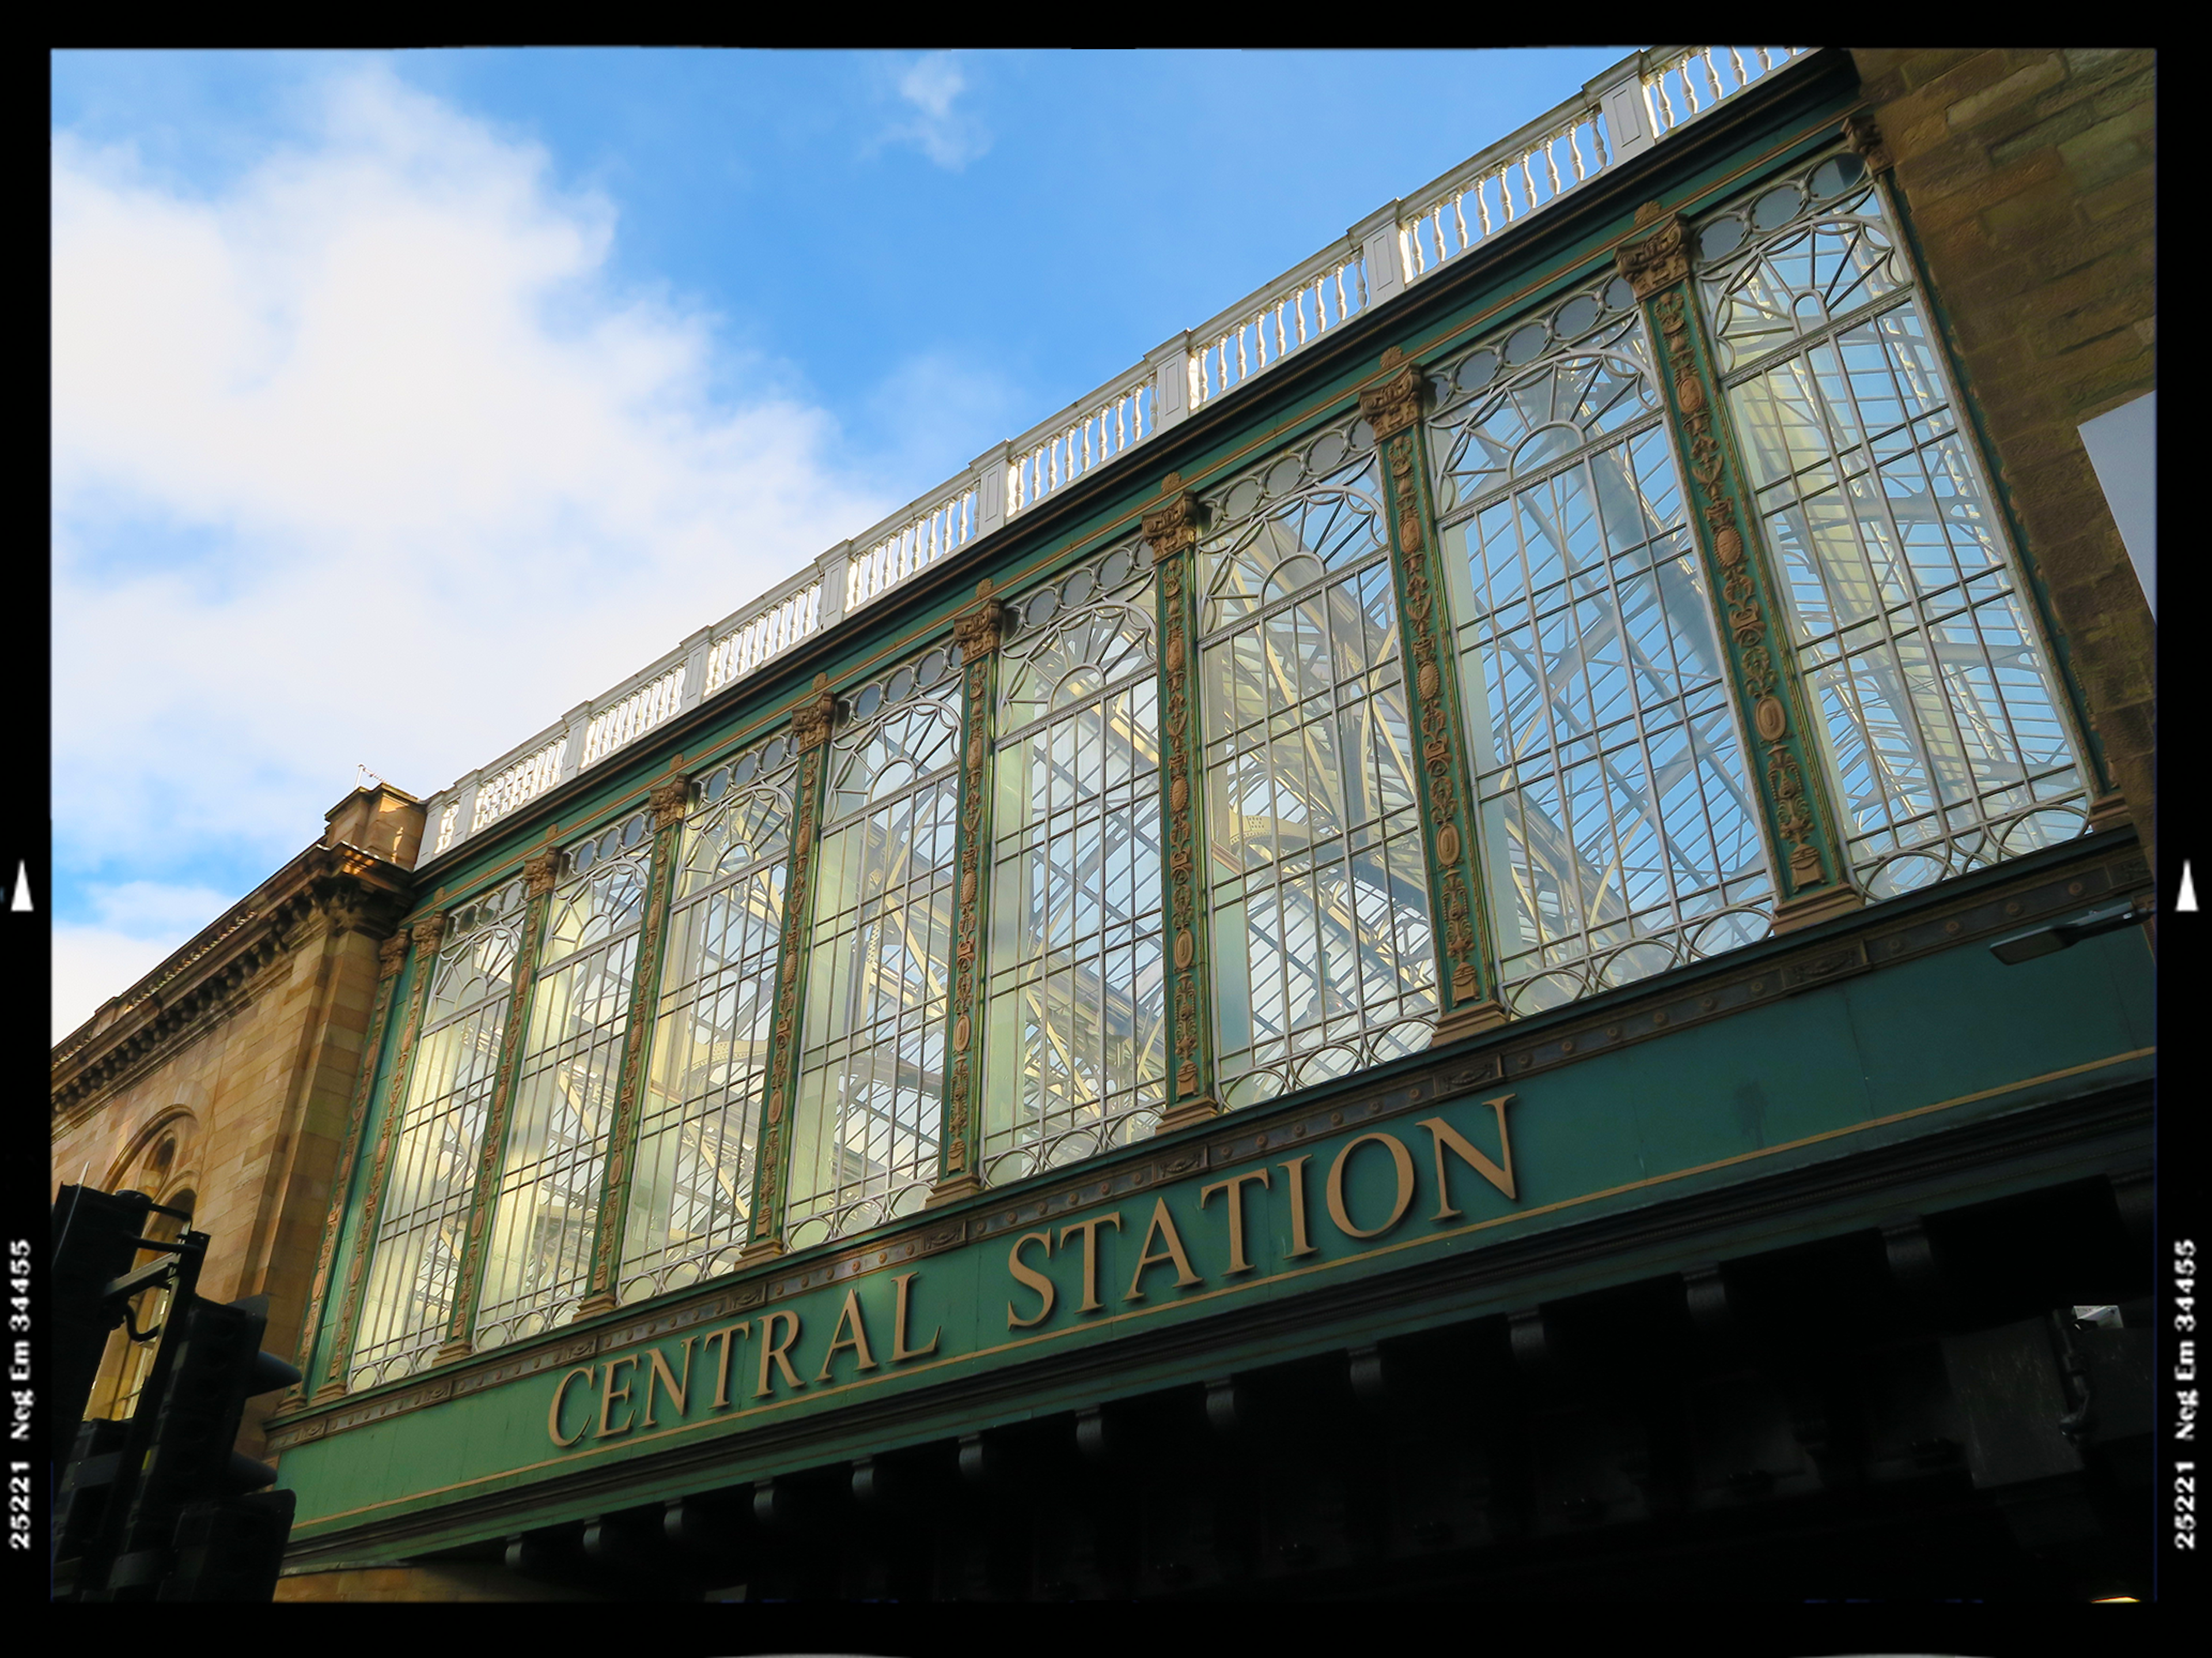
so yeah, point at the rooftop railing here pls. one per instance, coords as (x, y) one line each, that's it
(1638, 102)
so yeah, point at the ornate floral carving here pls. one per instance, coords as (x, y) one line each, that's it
(1396, 404)
(427, 932)
(1182, 862)
(390, 955)
(813, 720)
(1172, 527)
(1657, 261)
(1744, 614)
(671, 798)
(540, 870)
(978, 634)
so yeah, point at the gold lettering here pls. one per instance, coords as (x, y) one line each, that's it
(1300, 1244)
(553, 1415)
(770, 1348)
(1400, 1156)
(849, 1316)
(1036, 1280)
(608, 1395)
(1444, 1134)
(659, 1376)
(900, 1351)
(1089, 1231)
(1163, 1227)
(728, 1337)
(1235, 1186)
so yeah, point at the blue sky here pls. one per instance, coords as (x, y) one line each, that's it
(404, 401)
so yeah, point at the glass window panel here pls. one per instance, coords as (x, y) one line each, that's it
(1941, 722)
(428, 1182)
(691, 1184)
(872, 1052)
(1323, 960)
(546, 1203)
(1615, 807)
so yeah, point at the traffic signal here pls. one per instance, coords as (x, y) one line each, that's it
(189, 1521)
(96, 1237)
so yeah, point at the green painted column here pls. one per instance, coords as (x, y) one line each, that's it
(671, 800)
(390, 957)
(538, 871)
(1459, 910)
(1171, 529)
(1804, 847)
(961, 1153)
(419, 951)
(811, 722)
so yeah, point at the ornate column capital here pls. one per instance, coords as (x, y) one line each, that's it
(390, 954)
(540, 870)
(976, 631)
(1172, 527)
(1396, 404)
(1659, 260)
(813, 720)
(671, 798)
(427, 932)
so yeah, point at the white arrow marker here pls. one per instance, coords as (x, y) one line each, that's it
(2187, 897)
(23, 899)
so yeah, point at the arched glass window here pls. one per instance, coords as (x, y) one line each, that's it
(872, 1052)
(1618, 831)
(1322, 955)
(1946, 738)
(546, 1207)
(1075, 1056)
(423, 1218)
(691, 1192)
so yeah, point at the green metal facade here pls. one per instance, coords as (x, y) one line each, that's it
(1719, 1107)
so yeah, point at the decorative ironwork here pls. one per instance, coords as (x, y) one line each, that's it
(1393, 410)
(558, 1134)
(1171, 530)
(691, 1196)
(1941, 730)
(1617, 831)
(670, 798)
(1075, 1058)
(1792, 811)
(539, 870)
(871, 1093)
(1319, 908)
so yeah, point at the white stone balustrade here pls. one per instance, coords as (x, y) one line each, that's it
(1637, 103)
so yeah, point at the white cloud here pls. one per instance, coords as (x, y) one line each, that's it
(137, 924)
(364, 458)
(951, 137)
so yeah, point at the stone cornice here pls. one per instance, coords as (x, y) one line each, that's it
(324, 887)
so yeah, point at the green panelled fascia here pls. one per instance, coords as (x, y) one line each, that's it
(813, 726)
(669, 799)
(1804, 845)
(539, 870)
(1946, 337)
(961, 1152)
(1172, 531)
(421, 968)
(1930, 1044)
(1467, 996)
